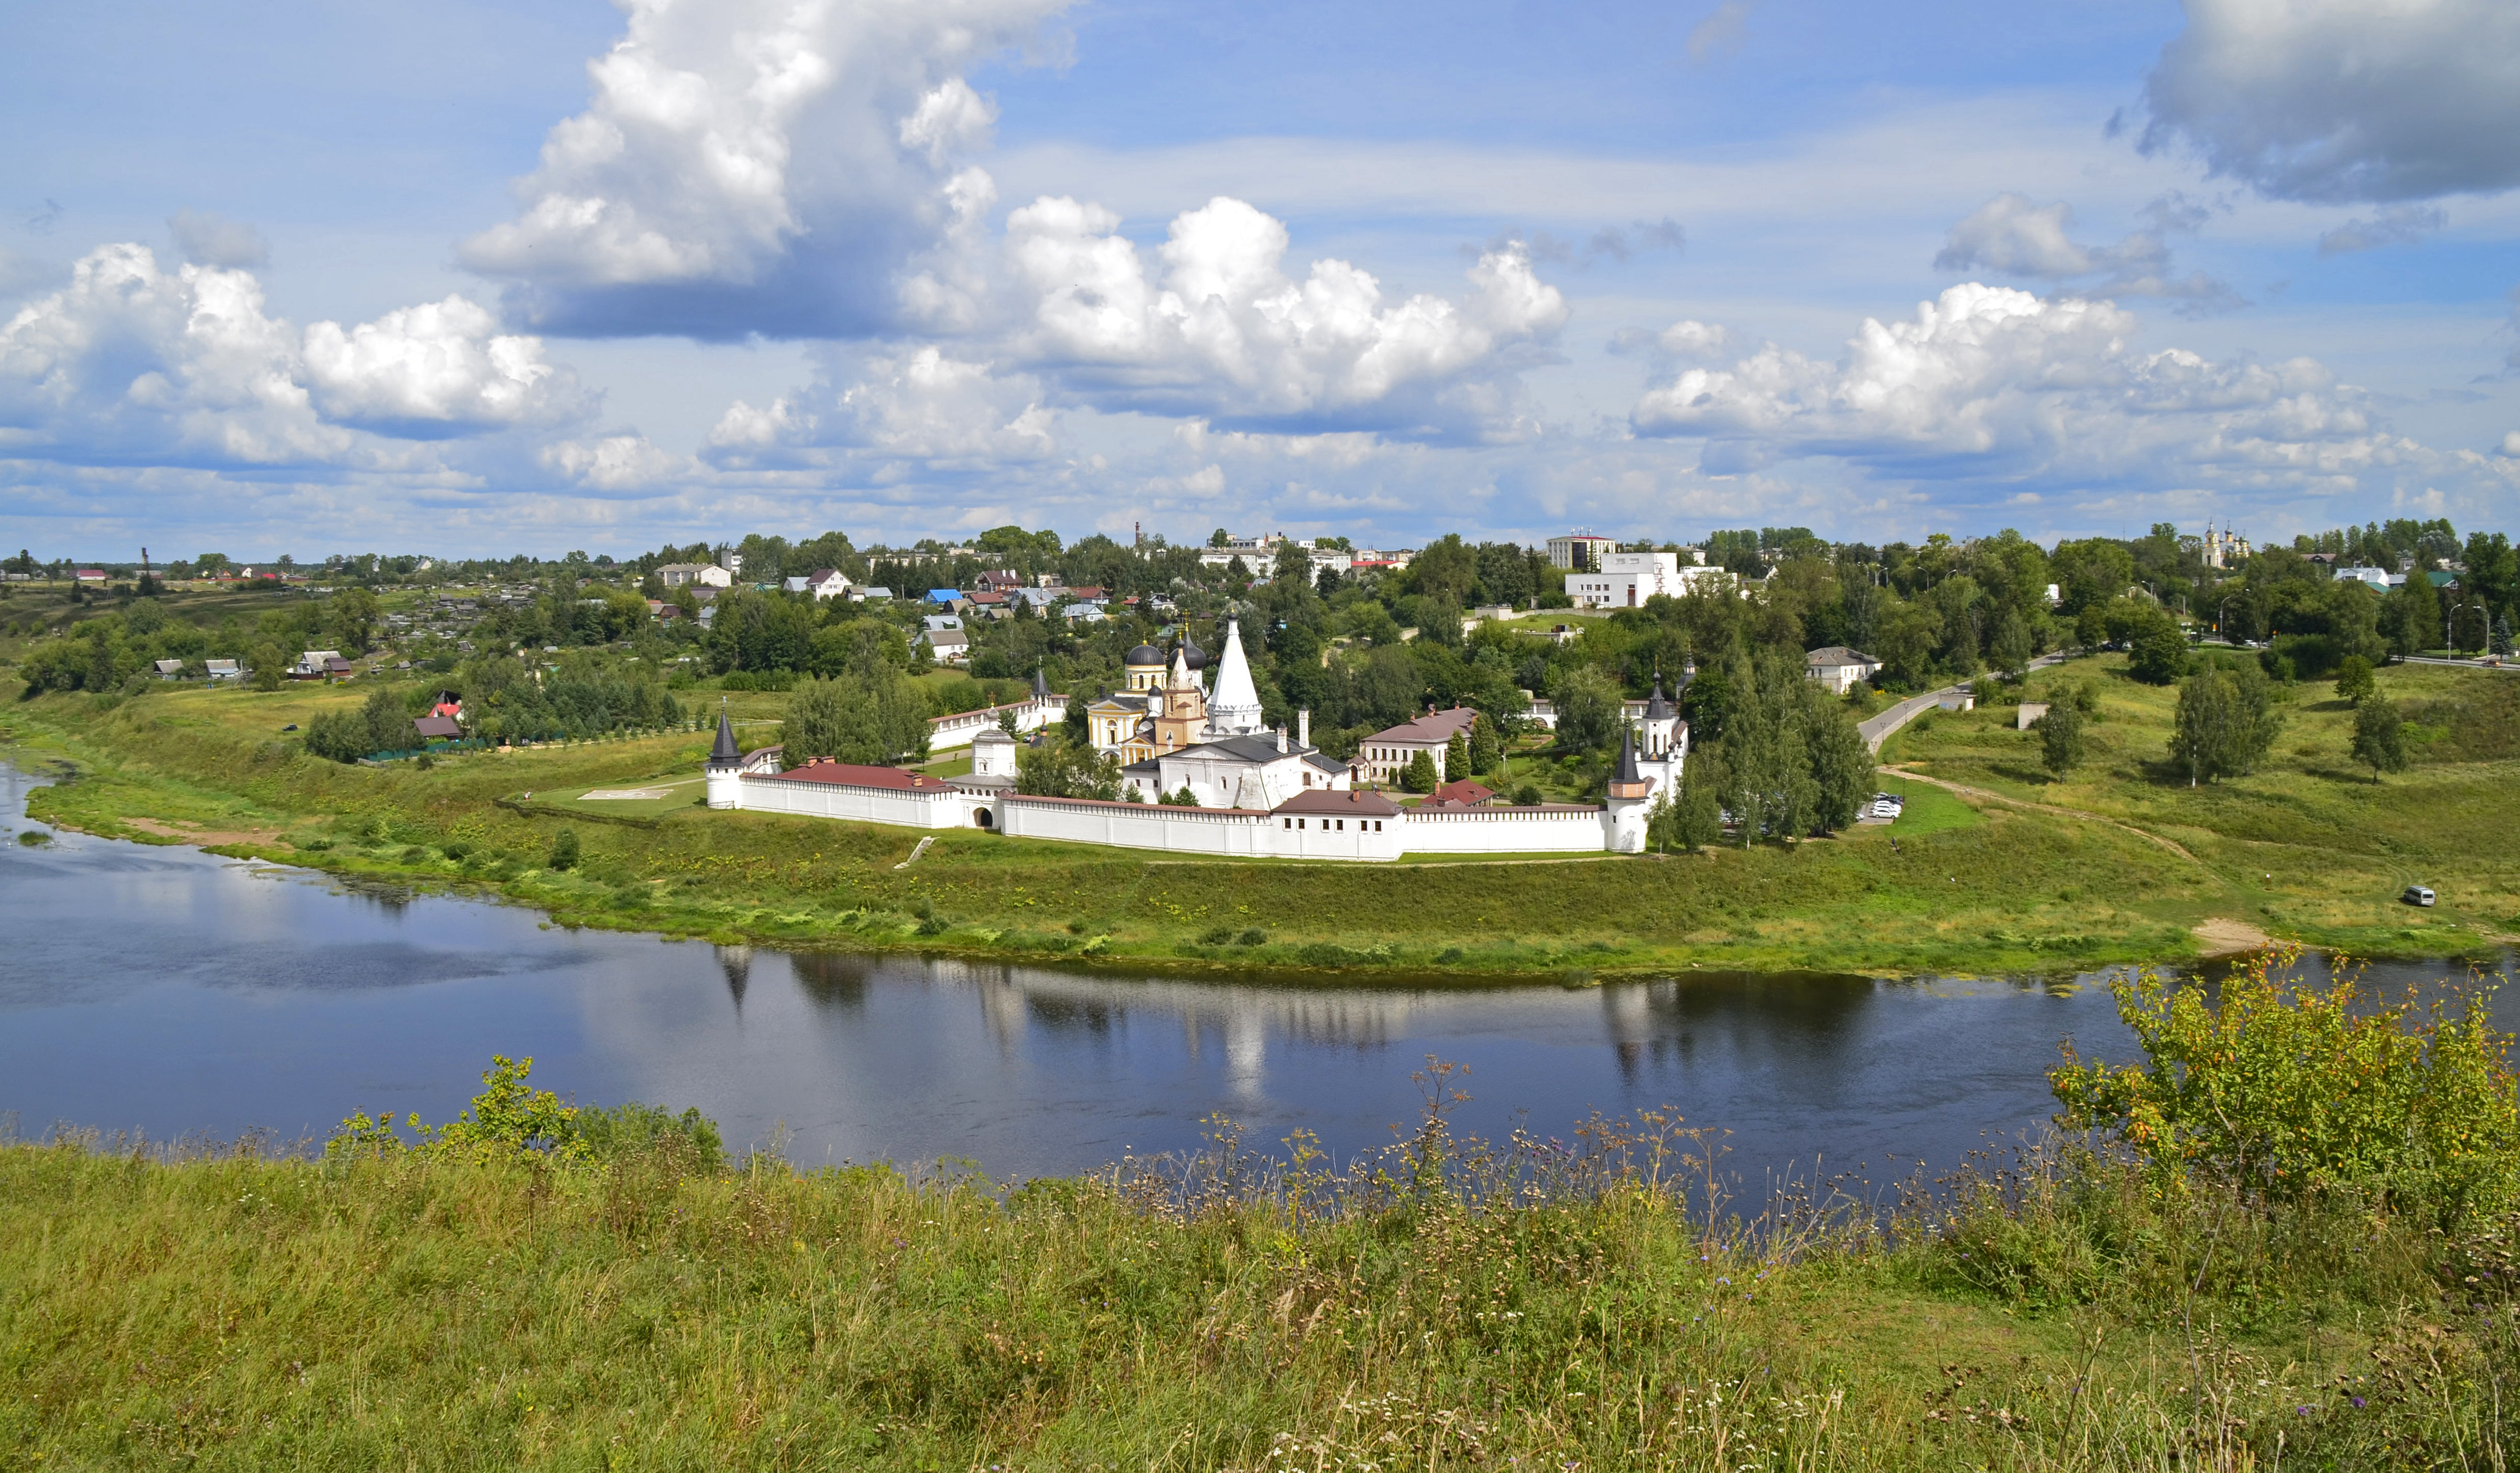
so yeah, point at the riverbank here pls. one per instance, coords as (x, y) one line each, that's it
(1963, 885)
(643, 1309)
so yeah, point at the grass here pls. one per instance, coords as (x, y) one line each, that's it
(1959, 885)
(1441, 1304)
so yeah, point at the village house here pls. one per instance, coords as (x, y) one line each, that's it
(694, 575)
(1839, 668)
(313, 665)
(951, 646)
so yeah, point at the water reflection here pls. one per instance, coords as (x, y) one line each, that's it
(176, 992)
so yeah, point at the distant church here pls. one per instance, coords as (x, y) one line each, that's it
(1171, 732)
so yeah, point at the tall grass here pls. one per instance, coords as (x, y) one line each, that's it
(1595, 1302)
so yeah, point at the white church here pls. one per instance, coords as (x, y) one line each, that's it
(1259, 792)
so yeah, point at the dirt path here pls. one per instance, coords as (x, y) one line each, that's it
(2222, 935)
(2047, 807)
(192, 833)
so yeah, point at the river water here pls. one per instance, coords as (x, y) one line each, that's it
(173, 992)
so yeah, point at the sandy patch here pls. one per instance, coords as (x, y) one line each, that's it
(194, 833)
(2222, 935)
(609, 794)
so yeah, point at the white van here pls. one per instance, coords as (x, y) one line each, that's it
(2417, 895)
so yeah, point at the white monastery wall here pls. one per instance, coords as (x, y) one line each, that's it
(945, 733)
(932, 809)
(1232, 832)
(1503, 831)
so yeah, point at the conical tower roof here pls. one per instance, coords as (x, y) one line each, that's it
(1658, 708)
(1627, 770)
(725, 751)
(1235, 706)
(1039, 684)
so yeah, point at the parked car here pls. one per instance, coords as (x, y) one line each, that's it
(2417, 895)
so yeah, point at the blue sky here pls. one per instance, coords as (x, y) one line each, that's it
(471, 277)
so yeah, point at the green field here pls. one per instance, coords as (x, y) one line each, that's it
(2308, 848)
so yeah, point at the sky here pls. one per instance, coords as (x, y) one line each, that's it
(476, 279)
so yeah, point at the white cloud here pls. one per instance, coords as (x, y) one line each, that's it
(1686, 338)
(918, 402)
(210, 240)
(1990, 381)
(1227, 334)
(2016, 236)
(613, 462)
(441, 367)
(2511, 443)
(752, 167)
(130, 363)
(2345, 100)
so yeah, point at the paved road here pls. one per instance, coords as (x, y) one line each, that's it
(2472, 665)
(1877, 730)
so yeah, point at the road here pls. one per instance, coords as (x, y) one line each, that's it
(1879, 729)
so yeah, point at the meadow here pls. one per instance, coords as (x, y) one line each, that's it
(2016, 873)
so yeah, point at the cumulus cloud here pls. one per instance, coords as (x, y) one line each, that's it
(1226, 334)
(2336, 101)
(209, 240)
(440, 368)
(1687, 339)
(1995, 382)
(132, 362)
(2014, 236)
(918, 402)
(612, 463)
(752, 167)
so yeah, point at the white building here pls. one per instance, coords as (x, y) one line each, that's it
(1256, 772)
(1840, 669)
(694, 575)
(1626, 580)
(1580, 550)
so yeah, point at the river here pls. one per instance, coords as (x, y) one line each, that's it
(172, 992)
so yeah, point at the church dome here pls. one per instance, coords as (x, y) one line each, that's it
(1196, 656)
(1144, 654)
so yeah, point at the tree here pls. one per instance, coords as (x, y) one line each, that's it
(1419, 775)
(2379, 735)
(2353, 679)
(1697, 816)
(1485, 750)
(270, 666)
(388, 725)
(816, 724)
(565, 850)
(2010, 648)
(1457, 758)
(2224, 722)
(2159, 650)
(1059, 766)
(352, 616)
(2060, 737)
(1589, 711)
(1841, 763)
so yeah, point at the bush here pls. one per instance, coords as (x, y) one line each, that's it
(2290, 1092)
(564, 851)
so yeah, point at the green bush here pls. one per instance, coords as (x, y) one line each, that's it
(565, 850)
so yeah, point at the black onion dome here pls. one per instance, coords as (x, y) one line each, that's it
(1144, 654)
(1191, 651)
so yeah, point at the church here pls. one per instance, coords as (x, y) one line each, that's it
(1174, 733)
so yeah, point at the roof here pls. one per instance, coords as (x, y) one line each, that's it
(1659, 708)
(1144, 654)
(1461, 794)
(1354, 802)
(1627, 770)
(1434, 729)
(943, 595)
(1839, 654)
(823, 770)
(436, 726)
(725, 751)
(993, 735)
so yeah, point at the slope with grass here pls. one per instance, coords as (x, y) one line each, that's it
(2310, 844)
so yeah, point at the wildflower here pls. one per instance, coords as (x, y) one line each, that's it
(2357, 1401)
(2301, 1412)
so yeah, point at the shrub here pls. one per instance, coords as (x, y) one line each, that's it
(565, 850)
(2290, 1092)
(2353, 678)
(1251, 937)
(2060, 738)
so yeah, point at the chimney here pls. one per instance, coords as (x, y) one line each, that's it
(1282, 739)
(1304, 727)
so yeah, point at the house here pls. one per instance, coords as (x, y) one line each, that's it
(2371, 577)
(1461, 792)
(1383, 756)
(1626, 580)
(822, 583)
(448, 703)
(947, 596)
(1839, 668)
(436, 728)
(988, 604)
(949, 646)
(694, 575)
(222, 669)
(999, 580)
(313, 665)
(876, 594)
(941, 621)
(338, 669)
(168, 670)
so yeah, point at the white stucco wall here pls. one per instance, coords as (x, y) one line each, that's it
(1130, 825)
(945, 733)
(934, 808)
(1503, 831)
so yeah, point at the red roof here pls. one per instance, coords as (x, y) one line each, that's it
(1354, 803)
(823, 770)
(1461, 794)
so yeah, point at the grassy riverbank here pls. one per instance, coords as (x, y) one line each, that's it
(1967, 883)
(647, 1311)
